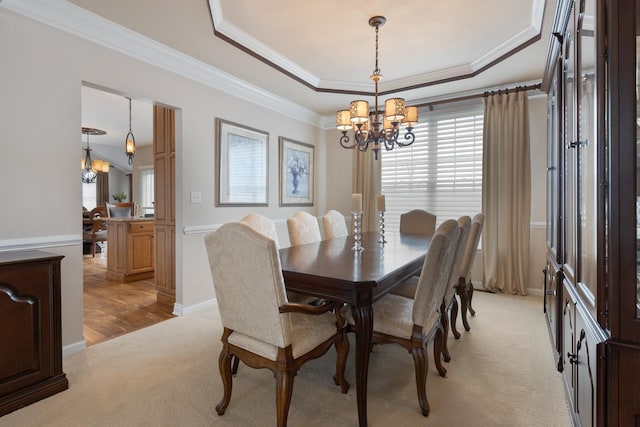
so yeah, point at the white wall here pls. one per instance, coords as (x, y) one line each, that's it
(40, 79)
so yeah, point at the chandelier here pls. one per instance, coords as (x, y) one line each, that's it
(370, 127)
(90, 168)
(130, 141)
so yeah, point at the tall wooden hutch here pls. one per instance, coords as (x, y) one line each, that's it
(592, 293)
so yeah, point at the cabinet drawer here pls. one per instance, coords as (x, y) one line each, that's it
(140, 227)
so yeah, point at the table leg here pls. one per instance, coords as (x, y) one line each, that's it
(363, 316)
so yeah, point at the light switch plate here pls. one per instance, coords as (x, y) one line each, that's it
(196, 197)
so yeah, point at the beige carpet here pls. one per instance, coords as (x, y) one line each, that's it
(501, 374)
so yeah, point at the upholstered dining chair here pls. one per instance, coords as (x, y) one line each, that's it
(266, 227)
(303, 228)
(449, 302)
(261, 328)
(262, 225)
(464, 288)
(413, 322)
(408, 288)
(96, 231)
(334, 224)
(418, 221)
(121, 210)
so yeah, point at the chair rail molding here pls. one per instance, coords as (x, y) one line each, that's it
(43, 242)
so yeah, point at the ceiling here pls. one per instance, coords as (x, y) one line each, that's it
(319, 55)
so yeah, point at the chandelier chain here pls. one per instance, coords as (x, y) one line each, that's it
(377, 69)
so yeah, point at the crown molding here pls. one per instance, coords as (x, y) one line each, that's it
(239, 38)
(79, 22)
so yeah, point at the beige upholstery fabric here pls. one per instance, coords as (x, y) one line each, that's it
(472, 246)
(433, 281)
(262, 225)
(334, 225)
(247, 277)
(464, 225)
(395, 314)
(418, 221)
(303, 228)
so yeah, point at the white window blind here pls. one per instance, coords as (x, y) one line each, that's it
(441, 172)
(146, 190)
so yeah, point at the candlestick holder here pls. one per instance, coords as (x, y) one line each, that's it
(381, 226)
(357, 231)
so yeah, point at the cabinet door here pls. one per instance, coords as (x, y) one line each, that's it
(570, 153)
(586, 362)
(587, 147)
(568, 340)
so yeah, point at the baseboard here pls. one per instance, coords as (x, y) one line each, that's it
(76, 347)
(179, 310)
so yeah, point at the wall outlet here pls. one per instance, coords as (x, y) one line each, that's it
(196, 197)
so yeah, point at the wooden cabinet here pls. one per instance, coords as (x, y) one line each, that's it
(30, 329)
(131, 246)
(164, 161)
(593, 177)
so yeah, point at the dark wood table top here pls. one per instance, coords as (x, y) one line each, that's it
(331, 269)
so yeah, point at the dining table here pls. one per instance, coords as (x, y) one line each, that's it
(332, 270)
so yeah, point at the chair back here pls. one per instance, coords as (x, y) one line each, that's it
(98, 212)
(303, 228)
(471, 247)
(262, 225)
(418, 221)
(247, 278)
(334, 224)
(120, 210)
(464, 225)
(436, 269)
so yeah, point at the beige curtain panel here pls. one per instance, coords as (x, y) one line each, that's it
(102, 188)
(366, 180)
(506, 192)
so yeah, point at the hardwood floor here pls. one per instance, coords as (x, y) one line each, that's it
(111, 308)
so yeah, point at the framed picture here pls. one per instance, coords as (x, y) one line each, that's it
(242, 165)
(296, 173)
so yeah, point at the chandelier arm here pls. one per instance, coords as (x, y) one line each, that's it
(344, 141)
(410, 138)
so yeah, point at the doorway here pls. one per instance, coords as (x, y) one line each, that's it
(116, 307)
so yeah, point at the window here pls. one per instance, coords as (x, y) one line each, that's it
(146, 190)
(441, 172)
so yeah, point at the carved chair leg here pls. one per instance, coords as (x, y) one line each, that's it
(470, 293)
(342, 348)
(437, 353)
(444, 320)
(464, 304)
(93, 248)
(224, 364)
(454, 318)
(421, 362)
(284, 390)
(236, 362)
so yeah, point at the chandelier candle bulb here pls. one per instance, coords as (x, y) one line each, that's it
(381, 203)
(356, 202)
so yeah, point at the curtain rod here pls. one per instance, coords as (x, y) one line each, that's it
(479, 95)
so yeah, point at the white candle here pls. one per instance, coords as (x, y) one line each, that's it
(381, 204)
(356, 202)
